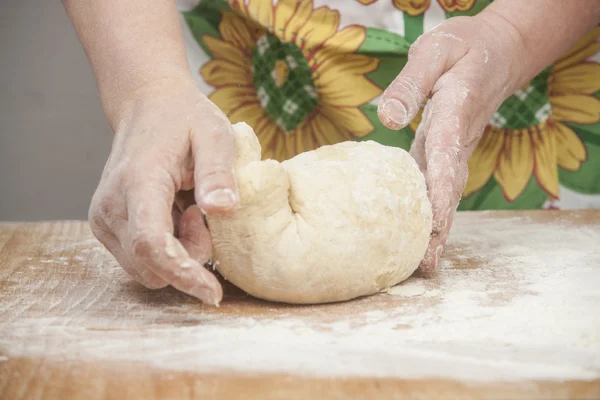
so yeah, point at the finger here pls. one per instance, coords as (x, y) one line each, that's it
(438, 241)
(214, 150)
(429, 58)
(111, 243)
(194, 235)
(417, 149)
(435, 250)
(445, 174)
(152, 244)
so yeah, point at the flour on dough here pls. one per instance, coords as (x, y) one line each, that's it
(332, 224)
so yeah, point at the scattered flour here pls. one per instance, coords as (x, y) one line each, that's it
(408, 289)
(514, 300)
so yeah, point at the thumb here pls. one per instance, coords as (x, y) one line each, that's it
(428, 59)
(214, 151)
(194, 235)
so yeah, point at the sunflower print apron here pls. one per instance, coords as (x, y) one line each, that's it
(307, 73)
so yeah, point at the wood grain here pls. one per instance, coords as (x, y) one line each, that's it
(60, 293)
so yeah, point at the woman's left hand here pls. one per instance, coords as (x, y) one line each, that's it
(465, 67)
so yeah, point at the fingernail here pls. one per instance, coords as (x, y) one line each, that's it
(223, 198)
(207, 295)
(395, 111)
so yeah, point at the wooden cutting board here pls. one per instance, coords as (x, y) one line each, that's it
(514, 312)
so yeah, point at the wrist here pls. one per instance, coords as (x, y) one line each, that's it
(118, 107)
(507, 40)
(541, 30)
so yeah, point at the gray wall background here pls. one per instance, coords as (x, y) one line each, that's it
(54, 139)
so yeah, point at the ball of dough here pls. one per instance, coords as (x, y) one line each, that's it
(332, 224)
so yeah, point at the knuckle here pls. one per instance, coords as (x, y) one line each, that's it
(94, 218)
(440, 223)
(151, 280)
(408, 91)
(185, 281)
(214, 139)
(143, 246)
(214, 175)
(97, 228)
(102, 234)
(99, 212)
(408, 85)
(100, 209)
(424, 41)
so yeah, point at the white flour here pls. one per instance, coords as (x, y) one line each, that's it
(516, 301)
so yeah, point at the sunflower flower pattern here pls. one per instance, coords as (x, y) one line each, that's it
(418, 7)
(288, 71)
(304, 74)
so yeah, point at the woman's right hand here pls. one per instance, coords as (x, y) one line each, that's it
(169, 138)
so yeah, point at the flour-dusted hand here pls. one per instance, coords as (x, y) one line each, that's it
(465, 67)
(170, 138)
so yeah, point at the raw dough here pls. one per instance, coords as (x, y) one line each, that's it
(328, 225)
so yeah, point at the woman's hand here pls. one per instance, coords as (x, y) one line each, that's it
(465, 67)
(169, 138)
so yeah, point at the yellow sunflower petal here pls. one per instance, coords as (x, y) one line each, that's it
(414, 124)
(326, 132)
(229, 98)
(484, 159)
(358, 64)
(412, 7)
(341, 82)
(239, 6)
(303, 139)
(261, 11)
(271, 140)
(456, 5)
(581, 109)
(351, 91)
(581, 50)
(579, 79)
(222, 73)
(234, 30)
(515, 163)
(348, 40)
(292, 144)
(279, 152)
(570, 150)
(545, 159)
(249, 113)
(577, 58)
(350, 119)
(222, 50)
(323, 24)
(283, 13)
(264, 130)
(298, 20)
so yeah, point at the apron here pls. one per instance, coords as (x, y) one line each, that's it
(307, 73)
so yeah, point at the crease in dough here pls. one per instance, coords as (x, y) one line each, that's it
(332, 224)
